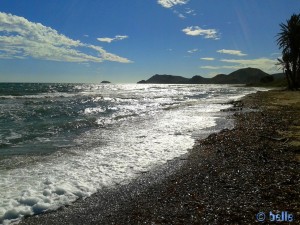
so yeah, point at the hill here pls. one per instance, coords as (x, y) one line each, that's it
(241, 76)
(278, 76)
(165, 79)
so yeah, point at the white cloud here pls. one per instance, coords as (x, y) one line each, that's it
(121, 37)
(116, 38)
(220, 67)
(109, 56)
(197, 31)
(190, 12)
(265, 64)
(192, 50)
(208, 58)
(180, 15)
(108, 40)
(210, 67)
(171, 3)
(20, 38)
(231, 52)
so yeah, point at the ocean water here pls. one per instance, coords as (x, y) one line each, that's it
(59, 142)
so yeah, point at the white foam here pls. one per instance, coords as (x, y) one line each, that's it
(40, 96)
(108, 156)
(94, 110)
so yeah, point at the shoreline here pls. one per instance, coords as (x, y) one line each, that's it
(226, 178)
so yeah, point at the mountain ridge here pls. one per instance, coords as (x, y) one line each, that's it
(240, 76)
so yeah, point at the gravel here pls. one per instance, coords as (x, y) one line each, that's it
(226, 178)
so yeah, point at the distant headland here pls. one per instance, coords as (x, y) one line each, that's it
(105, 82)
(241, 76)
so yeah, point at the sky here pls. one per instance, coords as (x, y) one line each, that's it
(124, 41)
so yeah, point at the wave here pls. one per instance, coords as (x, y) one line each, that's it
(21, 89)
(65, 148)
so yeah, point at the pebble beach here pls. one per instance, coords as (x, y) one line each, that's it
(235, 176)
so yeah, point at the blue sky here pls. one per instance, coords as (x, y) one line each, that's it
(124, 41)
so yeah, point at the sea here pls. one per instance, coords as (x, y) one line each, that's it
(60, 142)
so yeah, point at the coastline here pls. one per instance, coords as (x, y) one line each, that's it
(226, 178)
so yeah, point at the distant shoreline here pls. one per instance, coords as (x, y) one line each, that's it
(246, 76)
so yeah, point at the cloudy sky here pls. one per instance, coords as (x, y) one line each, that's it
(128, 40)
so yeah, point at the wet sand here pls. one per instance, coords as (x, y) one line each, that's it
(226, 178)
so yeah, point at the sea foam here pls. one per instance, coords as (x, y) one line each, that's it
(143, 126)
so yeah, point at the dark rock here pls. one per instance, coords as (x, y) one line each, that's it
(142, 82)
(267, 79)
